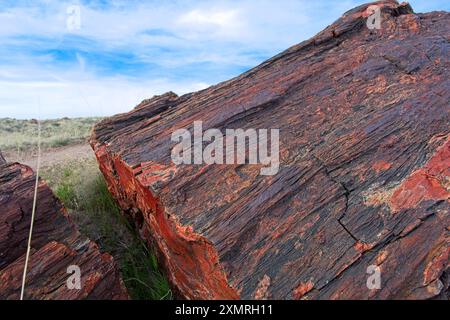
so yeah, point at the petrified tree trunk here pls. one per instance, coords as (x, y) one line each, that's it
(363, 184)
(56, 245)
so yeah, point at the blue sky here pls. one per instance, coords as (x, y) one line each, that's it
(126, 51)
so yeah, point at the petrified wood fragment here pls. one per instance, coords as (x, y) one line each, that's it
(56, 245)
(363, 184)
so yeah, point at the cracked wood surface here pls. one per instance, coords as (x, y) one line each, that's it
(364, 123)
(56, 245)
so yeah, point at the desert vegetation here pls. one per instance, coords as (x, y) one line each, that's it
(21, 135)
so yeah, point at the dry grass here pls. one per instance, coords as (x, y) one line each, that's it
(22, 135)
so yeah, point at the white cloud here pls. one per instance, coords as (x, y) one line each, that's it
(37, 91)
(225, 23)
(171, 35)
(224, 19)
(76, 97)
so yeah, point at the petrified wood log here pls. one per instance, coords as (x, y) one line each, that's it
(363, 184)
(56, 245)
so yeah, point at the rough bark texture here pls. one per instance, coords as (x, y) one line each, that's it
(364, 123)
(56, 245)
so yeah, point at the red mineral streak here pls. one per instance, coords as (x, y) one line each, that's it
(303, 289)
(381, 165)
(363, 247)
(428, 183)
(261, 292)
(192, 263)
(439, 260)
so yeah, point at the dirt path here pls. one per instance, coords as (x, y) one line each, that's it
(51, 157)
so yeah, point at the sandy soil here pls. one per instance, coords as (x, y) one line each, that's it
(51, 157)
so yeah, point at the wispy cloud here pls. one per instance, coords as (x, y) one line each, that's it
(126, 51)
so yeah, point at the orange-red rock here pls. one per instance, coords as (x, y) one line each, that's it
(364, 121)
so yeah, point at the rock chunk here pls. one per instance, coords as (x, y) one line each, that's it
(57, 246)
(363, 185)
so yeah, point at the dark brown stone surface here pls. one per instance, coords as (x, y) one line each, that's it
(56, 245)
(364, 121)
